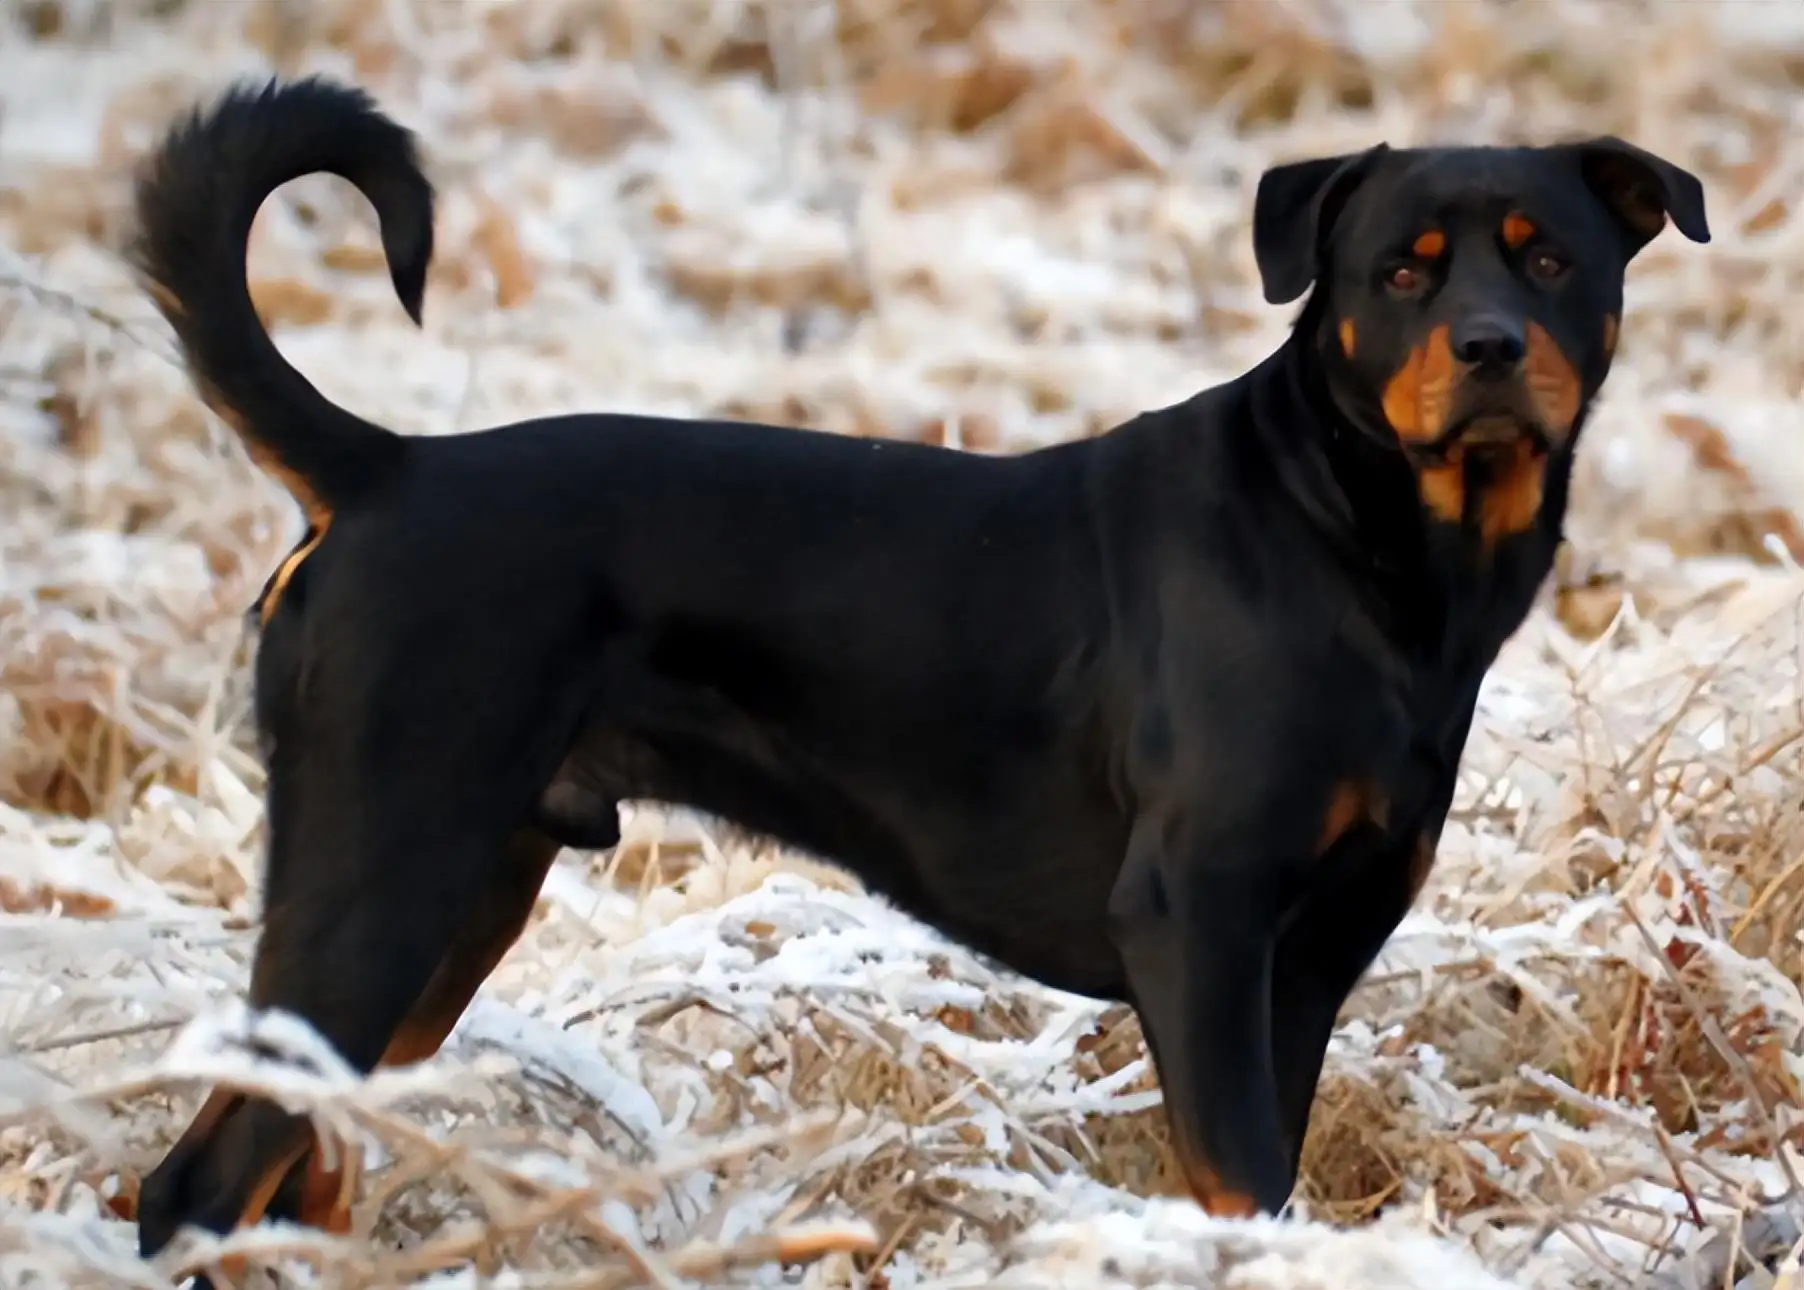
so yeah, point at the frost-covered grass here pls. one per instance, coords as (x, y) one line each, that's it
(993, 224)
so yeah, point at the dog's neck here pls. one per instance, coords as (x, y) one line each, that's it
(1353, 481)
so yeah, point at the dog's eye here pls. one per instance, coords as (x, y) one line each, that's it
(1545, 265)
(1403, 279)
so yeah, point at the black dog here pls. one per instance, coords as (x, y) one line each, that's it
(1171, 715)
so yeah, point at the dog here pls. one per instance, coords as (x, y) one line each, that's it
(1171, 715)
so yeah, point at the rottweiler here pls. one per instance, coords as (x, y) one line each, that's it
(1169, 715)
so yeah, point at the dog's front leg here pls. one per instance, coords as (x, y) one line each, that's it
(1329, 939)
(1195, 918)
(1358, 893)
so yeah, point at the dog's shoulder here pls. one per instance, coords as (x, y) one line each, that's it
(1197, 454)
(1202, 539)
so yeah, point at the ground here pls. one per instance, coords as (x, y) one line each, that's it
(993, 223)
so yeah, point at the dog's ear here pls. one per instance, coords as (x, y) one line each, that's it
(1642, 190)
(1295, 206)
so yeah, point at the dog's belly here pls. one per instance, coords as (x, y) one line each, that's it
(1025, 884)
(1050, 931)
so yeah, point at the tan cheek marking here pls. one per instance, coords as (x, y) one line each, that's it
(1348, 337)
(1553, 383)
(1429, 245)
(1610, 326)
(1517, 229)
(1415, 399)
(1401, 394)
(1443, 489)
(1512, 501)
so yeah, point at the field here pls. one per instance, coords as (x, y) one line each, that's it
(992, 223)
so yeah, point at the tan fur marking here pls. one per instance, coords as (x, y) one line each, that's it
(1429, 245)
(326, 1195)
(1353, 802)
(1517, 229)
(1610, 328)
(284, 572)
(1511, 496)
(1512, 500)
(1210, 1192)
(1348, 336)
(237, 1266)
(1416, 399)
(1230, 1204)
(318, 514)
(420, 1037)
(312, 505)
(1553, 383)
(268, 1183)
(1443, 489)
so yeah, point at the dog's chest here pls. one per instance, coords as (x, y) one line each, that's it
(1429, 675)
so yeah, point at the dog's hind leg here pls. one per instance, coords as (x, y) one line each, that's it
(378, 971)
(389, 841)
(320, 1197)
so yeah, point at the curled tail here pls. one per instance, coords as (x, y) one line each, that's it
(196, 198)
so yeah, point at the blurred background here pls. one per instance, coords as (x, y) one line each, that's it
(991, 224)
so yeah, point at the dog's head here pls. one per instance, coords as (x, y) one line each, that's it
(1467, 300)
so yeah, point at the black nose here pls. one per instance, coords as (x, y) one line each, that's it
(1488, 342)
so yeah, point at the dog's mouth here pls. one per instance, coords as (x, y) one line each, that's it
(1497, 425)
(1499, 429)
(1492, 427)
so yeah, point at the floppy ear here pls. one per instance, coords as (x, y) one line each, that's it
(1294, 208)
(1642, 190)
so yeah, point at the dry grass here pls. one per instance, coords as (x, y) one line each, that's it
(985, 222)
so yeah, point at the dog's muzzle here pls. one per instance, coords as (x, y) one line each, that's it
(1481, 383)
(1487, 417)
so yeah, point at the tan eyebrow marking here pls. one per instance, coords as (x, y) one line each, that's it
(1429, 245)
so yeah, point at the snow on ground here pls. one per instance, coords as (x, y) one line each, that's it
(995, 224)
